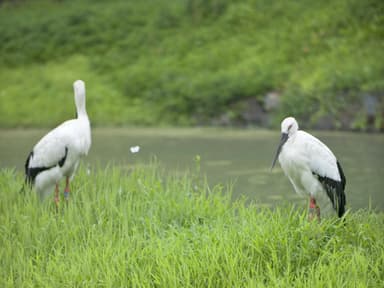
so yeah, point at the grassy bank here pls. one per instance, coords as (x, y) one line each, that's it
(142, 228)
(187, 62)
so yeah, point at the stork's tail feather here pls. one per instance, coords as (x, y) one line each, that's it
(341, 207)
(28, 177)
(340, 191)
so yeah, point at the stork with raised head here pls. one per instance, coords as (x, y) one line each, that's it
(58, 153)
(312, 168)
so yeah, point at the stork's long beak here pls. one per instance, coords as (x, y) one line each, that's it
(284, 138)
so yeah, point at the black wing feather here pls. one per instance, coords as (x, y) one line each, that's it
(335, 190)
(32, 172)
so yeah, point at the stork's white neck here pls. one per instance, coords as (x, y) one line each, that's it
(80, 108)
(79, 89)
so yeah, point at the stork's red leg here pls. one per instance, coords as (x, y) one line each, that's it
(314, 209)
(57, 196)
(66, 190)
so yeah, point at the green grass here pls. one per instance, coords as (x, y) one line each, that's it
(186, 62)
(142, 227)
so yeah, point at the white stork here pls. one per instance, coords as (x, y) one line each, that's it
(58, 153)
(311, 167)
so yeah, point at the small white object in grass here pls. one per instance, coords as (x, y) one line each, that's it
(135, 149)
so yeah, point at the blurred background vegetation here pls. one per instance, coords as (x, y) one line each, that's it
(193, 62)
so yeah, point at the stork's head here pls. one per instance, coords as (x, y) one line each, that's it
(79, 89)
(289, 127)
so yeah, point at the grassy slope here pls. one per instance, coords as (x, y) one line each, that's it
(140, 228)
(177, 62)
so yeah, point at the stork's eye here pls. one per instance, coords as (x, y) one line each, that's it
(289, 127)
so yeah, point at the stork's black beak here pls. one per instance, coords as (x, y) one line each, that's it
(284, 138)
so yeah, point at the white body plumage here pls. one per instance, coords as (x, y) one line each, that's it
(311, 167)
(58, 153)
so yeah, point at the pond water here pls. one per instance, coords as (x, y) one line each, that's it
(240, 157)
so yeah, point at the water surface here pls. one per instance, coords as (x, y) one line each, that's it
(241, 157)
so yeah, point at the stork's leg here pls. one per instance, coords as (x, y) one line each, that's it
(314, 209)
(66, 190)
(57, 196)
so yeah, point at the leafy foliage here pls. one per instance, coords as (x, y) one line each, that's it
(180, 62)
